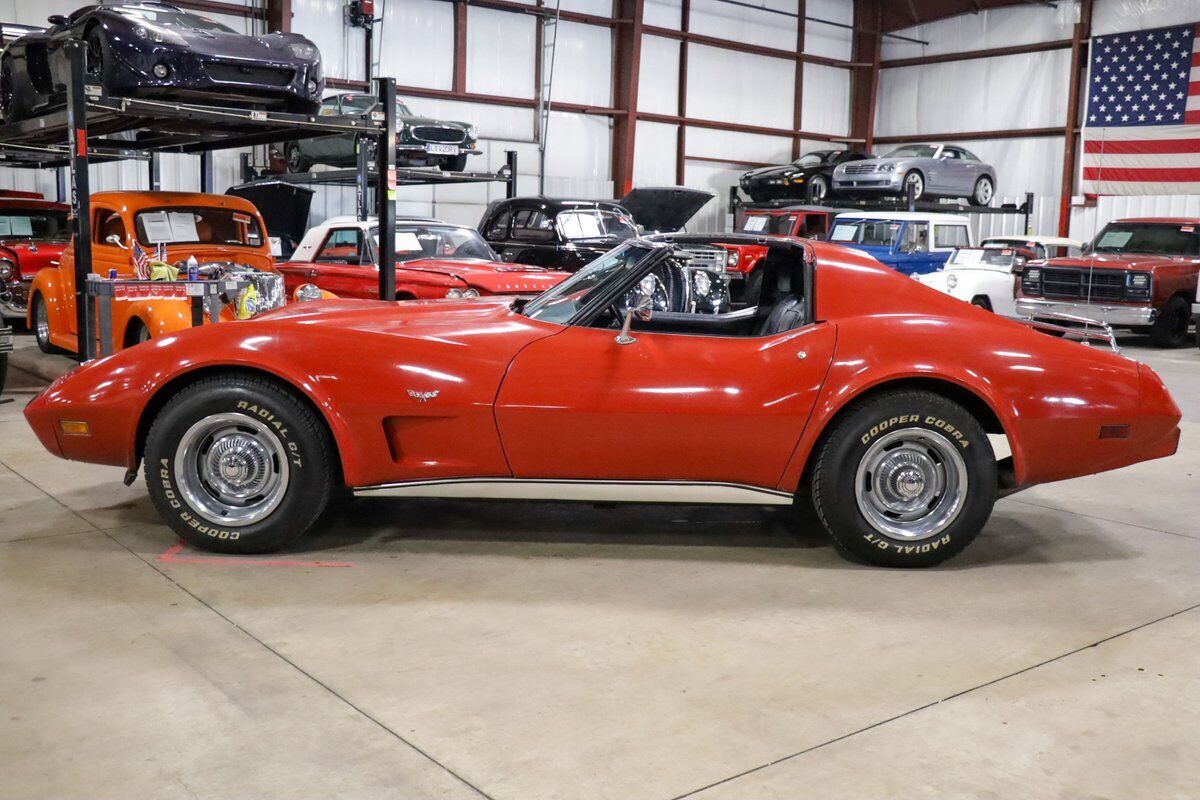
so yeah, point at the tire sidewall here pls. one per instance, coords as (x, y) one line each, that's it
(975, 194)
(1161, 333)
(847, 446)
(308, 470)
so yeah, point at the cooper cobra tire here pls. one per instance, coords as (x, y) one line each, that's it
(1171, 327)
(898, 455)
(237, 464)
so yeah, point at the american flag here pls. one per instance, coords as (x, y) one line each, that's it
(141, 263)
(1141, 131)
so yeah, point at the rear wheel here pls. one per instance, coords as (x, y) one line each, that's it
(904, 479)
(238, 464)
(136, 333)
(984, 190)
(818, 189)
(1171, 327)
(296, 160)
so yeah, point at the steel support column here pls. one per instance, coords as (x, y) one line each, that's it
(206, 172)
(798, 89)
(279, 15)
(385, 190)
(460, 47)
(81, 192)
(627, 61)
(1079, 51)
(864, 80)
(685, 21)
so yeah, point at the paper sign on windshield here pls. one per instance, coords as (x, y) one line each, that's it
(755, 224)
(169, 226)
(407, 242)
(1115, 239)
(843, 233)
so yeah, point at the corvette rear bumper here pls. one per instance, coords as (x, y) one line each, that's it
(1119, 316)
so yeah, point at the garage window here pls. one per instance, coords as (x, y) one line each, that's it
(951, 236)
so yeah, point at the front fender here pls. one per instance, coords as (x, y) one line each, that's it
(47, 285)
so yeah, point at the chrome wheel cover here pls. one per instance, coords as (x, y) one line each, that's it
(232, 469)
(918, 184)
(41, 322)
(911, 484)
(819, 189)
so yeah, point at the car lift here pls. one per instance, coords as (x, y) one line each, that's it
(737, 204)
(93, 126)
(363, 179)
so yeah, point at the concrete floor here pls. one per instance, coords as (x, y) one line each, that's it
(455, 649)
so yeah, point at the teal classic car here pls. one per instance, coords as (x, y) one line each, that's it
(420, 141)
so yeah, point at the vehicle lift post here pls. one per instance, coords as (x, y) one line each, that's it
(77, 146)
(362, 200)
(206, 171)
(385, 189)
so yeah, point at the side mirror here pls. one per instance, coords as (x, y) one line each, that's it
(642, 308)
(112, 238)
(57, 19)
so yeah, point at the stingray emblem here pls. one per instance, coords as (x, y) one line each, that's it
(423, 397)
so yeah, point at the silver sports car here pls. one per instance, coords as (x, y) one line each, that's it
(931, 170)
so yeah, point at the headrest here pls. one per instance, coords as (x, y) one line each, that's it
(784, 281)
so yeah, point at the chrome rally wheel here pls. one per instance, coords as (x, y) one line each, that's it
(911, 484)
(232, 469)
(239, 464)
(905, 478)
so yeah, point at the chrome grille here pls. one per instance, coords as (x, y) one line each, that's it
(1100, 284)
(432, 133)
(705, 258)
(860, 169)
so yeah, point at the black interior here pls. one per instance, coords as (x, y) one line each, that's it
(772, 301)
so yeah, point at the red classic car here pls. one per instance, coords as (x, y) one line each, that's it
(1137, 273)
(33, 234)
(433, 260)
(843, 386)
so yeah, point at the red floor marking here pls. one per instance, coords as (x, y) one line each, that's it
(171, 556)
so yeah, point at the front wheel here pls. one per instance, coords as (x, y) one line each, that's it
(238, 464)
(904, 479)
(982, 301)
(914, 185)
(1171, 327)
(456, 164)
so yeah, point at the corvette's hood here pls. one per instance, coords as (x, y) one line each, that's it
(434, 320)
(492, 277)
(1138, 261)
(31, 256)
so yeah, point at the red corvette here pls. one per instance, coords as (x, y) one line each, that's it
(433, 260)
(611, 386)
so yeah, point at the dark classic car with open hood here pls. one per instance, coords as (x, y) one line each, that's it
(567, 234)
(156, 50)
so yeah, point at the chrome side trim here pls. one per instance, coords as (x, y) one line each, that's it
(583, 491)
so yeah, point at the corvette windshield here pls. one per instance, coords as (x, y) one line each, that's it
(438, 241)
(564, 300)
(38, 225)
(913, 151)
(1153, 239)
(879, 232)
(170, 18)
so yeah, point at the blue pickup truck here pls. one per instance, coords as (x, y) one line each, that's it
(910, 242)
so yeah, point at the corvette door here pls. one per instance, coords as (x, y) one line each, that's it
(668, 407)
